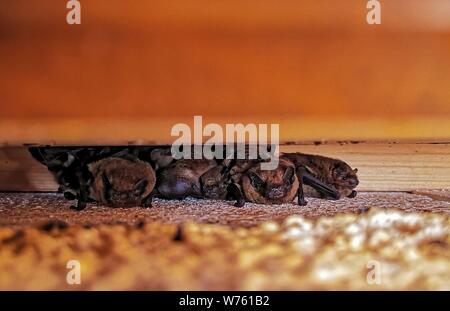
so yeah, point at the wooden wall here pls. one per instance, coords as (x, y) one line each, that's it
(314, 60)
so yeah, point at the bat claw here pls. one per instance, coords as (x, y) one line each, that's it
(302, 202)
(78, 207)
(69, 196)
(336, 197)
(147, 202)
(239, 203)
(352, 195)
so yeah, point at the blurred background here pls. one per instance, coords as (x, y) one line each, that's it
(315, 66)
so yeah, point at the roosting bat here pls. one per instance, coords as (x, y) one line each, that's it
(200, 178)
(276, 186)
(84, 174)
(235, 179)
(122, 182)
(316, 171)
(69, 165)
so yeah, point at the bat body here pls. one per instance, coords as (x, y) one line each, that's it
(122, 182)
(200, 178)
(237, 179)
(331, 178)
(69, 165)
(186, 177)
(276, 186)
(124, 176)
(317, 171)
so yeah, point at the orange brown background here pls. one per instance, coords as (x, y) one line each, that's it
(315, 66)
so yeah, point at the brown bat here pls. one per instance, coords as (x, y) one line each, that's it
(235, 179)
(249, 182)
(69, 165)
(200, 178)
(276, 186)
(122, 182)
(316, 171)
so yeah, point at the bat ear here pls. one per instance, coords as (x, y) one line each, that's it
(256, 181)
(106, 183)
(355, 170)
(339, 168)
(288, 176)
(90, 167)
(106, 187)
(155, 154)
(69, 161)
(161, 157)
(93, 167)
(139, 187)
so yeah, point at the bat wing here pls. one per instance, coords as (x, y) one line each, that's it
(328, 191)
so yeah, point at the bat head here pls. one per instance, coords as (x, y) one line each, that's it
(271, 186)
(214, 182)
(344, 176)
(120, 182)
(123, 193)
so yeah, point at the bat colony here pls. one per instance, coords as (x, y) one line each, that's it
(132, 176)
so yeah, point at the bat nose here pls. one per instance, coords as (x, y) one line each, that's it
(275, 193)
(354, 182)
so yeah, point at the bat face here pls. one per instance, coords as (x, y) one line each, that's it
(271, 186)
(345, 179)
(214, 183)
(121, 182)
(123, 193)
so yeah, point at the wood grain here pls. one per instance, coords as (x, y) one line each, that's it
(382, 166)
(225, 58)
(20, 172)
(439, 195)
(151, 131)
(393, 166)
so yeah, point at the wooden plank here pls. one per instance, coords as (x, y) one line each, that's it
(393, 166)
(151, 131)
(237, 58)
(439, 195)
(20, 172)
(382, 166)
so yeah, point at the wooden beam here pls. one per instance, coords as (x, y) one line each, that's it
(382, 166)
(391, 166)
(237, 58)
(20, 172)
(151, 131)
(439, 195)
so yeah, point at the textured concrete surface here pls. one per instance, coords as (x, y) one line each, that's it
(220, 247)
(24, 209)
(378, 250)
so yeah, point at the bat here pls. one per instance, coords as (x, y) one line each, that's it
(200, 178)
(69, 165)
(276, 186)
(182, 178)
(332, 178)
(122, 182)
(84, 173)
